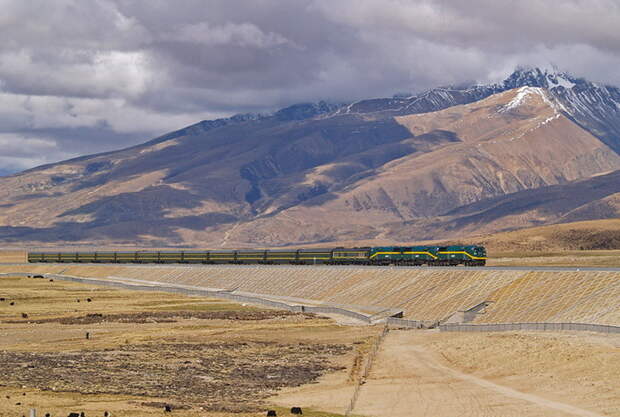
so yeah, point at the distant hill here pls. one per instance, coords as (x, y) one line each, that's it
(536, 149)
(590, 235)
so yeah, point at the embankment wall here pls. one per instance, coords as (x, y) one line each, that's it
(423, 294)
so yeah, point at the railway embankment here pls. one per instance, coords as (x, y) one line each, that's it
(429, 295)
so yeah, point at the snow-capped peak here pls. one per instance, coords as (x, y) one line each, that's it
(523, 95)
(546, 78)
(560, 79)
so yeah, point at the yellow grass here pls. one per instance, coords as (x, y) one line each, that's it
(590, 235)
(496, 374)
(12, 256)
(41, 299)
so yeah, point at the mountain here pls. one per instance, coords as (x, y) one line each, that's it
(501, 158)
(446, 163)
(5, 172)
(595, 107)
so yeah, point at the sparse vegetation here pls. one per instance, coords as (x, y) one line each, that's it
(12, 256)
(588, 236)
(593, 243)
(194, 354)
(218, 376)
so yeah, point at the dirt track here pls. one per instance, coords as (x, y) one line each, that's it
(521, 374)
(411, 378)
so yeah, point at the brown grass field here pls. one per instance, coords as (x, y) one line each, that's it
(575, 258)
(514, 374)
(150, 349)
(208, 357)
(593, 235)
(12, 256)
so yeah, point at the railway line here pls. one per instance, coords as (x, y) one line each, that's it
(360, 267)
(452, 255)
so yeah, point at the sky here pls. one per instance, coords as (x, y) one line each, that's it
(86, 76)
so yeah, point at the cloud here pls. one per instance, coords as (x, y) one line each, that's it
(20, 152)
(122, 71)
(231, 34)
(79, 74)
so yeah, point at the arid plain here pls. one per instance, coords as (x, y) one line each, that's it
(210, 357)
(216, 358)
(146, 350)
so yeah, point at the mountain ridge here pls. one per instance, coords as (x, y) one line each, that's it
(261, 179)
(431, 100)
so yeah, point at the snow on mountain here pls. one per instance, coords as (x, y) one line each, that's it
(522, 96)
(593, 106)
(365, 169)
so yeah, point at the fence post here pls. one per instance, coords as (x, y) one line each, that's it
(371, 358)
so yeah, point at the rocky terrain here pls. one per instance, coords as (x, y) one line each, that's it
(538, 148)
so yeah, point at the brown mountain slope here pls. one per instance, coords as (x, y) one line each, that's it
(330, 178)
(594, 198)
(587, 235)
(508, 143)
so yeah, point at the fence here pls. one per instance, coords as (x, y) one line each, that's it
(411, 324)
(502, 327)
(362, 379)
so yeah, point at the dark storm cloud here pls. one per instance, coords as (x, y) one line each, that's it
(84, 76)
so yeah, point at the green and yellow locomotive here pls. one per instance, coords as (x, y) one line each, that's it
(429, 255)
(381, 255)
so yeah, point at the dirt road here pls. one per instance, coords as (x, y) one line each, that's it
(408, 379)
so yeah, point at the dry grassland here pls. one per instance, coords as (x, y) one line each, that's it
(581, 369)
(593, 243)
(12, 256)
(204, 357)
(576, 259)
(425, 373)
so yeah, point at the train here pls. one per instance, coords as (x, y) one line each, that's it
(454, 255)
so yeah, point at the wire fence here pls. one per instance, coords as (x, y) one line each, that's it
(366, 372)
(502, 327)
(554, 327)
(411, 324)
